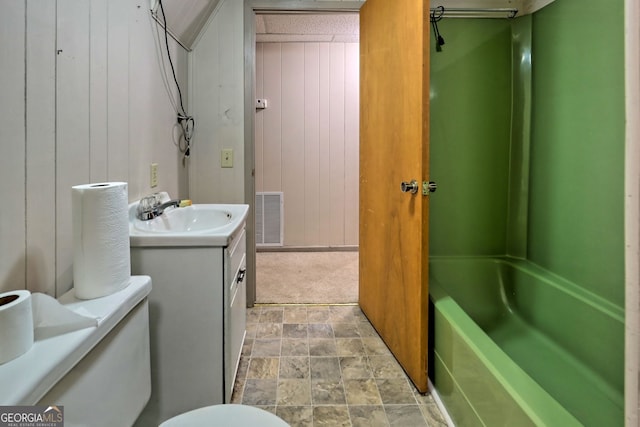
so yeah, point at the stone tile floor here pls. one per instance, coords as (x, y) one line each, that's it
(326, 366)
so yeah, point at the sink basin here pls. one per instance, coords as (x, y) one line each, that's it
(195, 225)
(195, 218)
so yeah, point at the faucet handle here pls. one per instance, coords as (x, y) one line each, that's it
(149, 203)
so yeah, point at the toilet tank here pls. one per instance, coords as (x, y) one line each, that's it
(100, 375)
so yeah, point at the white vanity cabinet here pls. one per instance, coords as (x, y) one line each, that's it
(197, 313)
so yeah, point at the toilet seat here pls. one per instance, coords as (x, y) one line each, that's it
(231, 415)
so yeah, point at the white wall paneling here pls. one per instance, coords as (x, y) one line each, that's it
(72, 123)
(99, 119)
(204, 173)
(83, 101)
(336, 141)
(151, 119)
(119, 74)
(312, 131)
(40, 147)
(307, 138)
(293, 124)
(12, 146)
(272, 119)
(352, 133)
(259, 118)
(217, 84)
(324, 159)
(230, 128)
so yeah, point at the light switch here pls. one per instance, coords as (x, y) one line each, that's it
(226, 160)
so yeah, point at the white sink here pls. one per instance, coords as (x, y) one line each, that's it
(195, 218)
(195, 225)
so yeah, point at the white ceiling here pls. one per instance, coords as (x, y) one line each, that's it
(308, 27)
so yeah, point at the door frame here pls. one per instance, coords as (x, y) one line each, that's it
(251, 7)
(632, 213)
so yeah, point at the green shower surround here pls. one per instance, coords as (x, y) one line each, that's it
(533, 171)
(470, 116)
(576, 217)
(573, 225)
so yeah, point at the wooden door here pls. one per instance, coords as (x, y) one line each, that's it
(394, 147)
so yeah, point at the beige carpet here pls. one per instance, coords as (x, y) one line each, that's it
(306, 277)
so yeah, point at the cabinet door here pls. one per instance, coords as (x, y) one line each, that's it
(235, 326)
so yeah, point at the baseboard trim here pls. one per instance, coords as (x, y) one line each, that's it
(440, 405)
(302, 304)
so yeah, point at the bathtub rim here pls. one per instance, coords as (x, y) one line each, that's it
(538, 404)
(558, 282)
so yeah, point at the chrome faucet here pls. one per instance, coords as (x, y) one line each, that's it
(150, 207)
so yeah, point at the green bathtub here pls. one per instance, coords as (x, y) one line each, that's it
(515, 345)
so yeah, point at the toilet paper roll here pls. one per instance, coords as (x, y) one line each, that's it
(101, 264)
(16, 324)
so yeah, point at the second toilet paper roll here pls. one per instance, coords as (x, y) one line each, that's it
(16, 324)
(101, 264)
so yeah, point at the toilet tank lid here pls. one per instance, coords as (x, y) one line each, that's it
(24, 380)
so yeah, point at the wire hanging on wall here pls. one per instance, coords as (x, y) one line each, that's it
(184, 120)
(436, 15)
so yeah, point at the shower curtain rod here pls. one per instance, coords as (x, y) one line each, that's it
(477, 13)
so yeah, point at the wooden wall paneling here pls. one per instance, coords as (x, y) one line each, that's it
(337, 142)
(118, 89)
(324, 154)
(12, 147)
(98, 146)
(272, 159)
(293, 152)
(259, 120)
(312, 144)
(72, 125)
(41, 145)
(352, 142)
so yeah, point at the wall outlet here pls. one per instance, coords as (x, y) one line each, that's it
(154, 175)
(226, 158)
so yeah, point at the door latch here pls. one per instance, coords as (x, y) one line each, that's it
(428, 187)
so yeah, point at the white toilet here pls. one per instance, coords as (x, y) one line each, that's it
(225, 416)
(101, 374)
